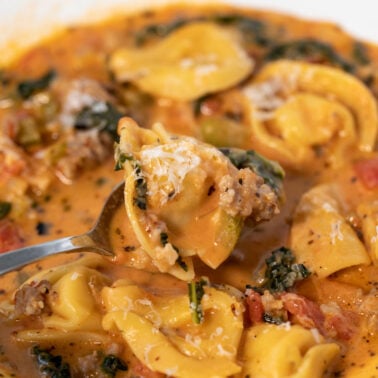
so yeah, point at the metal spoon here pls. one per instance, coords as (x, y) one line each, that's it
(96, 240)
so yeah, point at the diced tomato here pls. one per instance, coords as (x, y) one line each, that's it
(340, 324)
(9, 236)
(309, 315)
(367, 172)
(306, 312)
(255, 307)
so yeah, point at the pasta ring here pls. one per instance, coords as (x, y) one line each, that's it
(297, 107)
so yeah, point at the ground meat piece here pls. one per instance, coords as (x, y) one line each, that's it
(84, 150)
(248, 196)
(31, 299)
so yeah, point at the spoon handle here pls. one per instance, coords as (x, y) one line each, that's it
(23, 256)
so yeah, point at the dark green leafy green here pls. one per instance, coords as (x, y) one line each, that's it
(122, 158)
(282, 272)
(269, 170)
(5, 208)
(360, 53)
(251, 29)
(27, 88)
(272, 319)
(140, 199)
(164, 240)
(196, 292)
(111, 364)
(159, 30)
(100, 115)
(310, 50)
(50, 365)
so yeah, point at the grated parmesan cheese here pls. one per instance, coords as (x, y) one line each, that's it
(336, 232)
(166, 166)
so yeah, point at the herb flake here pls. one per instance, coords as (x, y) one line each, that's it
(196, 292)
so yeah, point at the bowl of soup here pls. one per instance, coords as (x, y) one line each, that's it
(245, 136)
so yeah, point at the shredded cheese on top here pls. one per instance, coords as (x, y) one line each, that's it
(166, 166)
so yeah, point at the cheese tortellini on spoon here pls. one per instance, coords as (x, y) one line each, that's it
(300, 112)
(185, 198)
(192, 61)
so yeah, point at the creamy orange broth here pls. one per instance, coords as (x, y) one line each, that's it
(72, 208)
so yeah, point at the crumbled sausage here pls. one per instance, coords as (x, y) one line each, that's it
(31, 299)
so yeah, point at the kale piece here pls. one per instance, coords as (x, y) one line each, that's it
(140, 199)
(252, 30)
(100, 115)
(270, 171)
(164, 240)
(360, 53)
(196, 292)
(27, 88)
(159, 30)
(282, 272)
(51, 365)
(311, 50)
(111, 364)
(5, 208)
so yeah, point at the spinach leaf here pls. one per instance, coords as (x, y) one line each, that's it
(196, 292)
(27, 88)
(311, 50)
(51, 365)
(159, 30)
(269, 170)
(100, 115)
(181, 263)
(111, 364)
(252, 30)
(5, 208)
(282, 271)
(360, 53)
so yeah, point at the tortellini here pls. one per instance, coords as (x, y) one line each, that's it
(185, 65)
(161, 333)
(72, 297)
(302, 112)
(272, 351)
(368, 213)
(176, 188)
(321, 237)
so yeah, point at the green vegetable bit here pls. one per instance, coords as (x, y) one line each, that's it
(196, 292)
(360, 53)
(164, 240)
(27, 88)
(282, 272)
(51, 365)
(252, 30)
(269, 170)
(159, 30)
(111, 364)
(5, 208)
(311, 50)
(100, 115)
(121, 159)
(140, 187)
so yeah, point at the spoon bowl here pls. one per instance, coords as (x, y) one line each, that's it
(96, 240)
